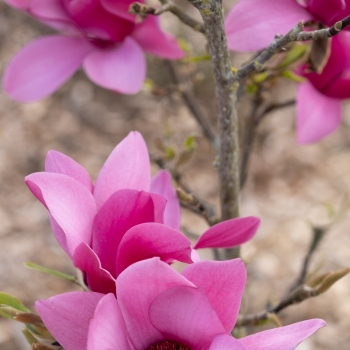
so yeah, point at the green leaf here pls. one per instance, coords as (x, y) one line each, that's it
(293, 55)
(190, 143)
(196, 59)
(292, 76)
(9, 300)
(170, 153)
(55, 273)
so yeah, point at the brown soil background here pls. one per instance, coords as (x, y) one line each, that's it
(288, 186)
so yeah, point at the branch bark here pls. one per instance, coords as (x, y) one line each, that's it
(226, 95)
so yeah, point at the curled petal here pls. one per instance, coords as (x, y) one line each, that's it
(317, 114)
(57, 162)
(127, 167)
(107, 328)
(123, 210)
(122, 69)
(226, 342)
(223, 282)
(151, 277)
(282, 338)
(185, 314)
(70, 204)
(43, 66)
(67, 317)
(229, 233)
(150, 240)
(161, 184)
(98, 279)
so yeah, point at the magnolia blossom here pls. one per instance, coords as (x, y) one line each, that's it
(99, 34)
(252, 25)
(125, 217)
(157, 308)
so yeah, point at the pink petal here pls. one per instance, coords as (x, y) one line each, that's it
(229, 233)
(282, 338)
(128, 166)
(226, 342)
(317, 114)
(326, 10)
(98, 23)
(107, 328)
(223, 282)
(43, 66)
(123, 210)
(120, 7)
(67, 317)
(69, 202)
(184, 314)
(122, 69)
(98, 279)
(155, 41)
(150, 240)
(49, 10)
(251, 26)
(58, 232)
(59, 163)
(137, 286)
(162, 185)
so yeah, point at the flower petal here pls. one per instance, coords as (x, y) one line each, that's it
(326, 10)
(317, 114)
(59, 163)
(43, 66)
(98, 279)
(120, 7)
(251, 26)
(107, 328)
(19, 4)
(69, 202)
(229, 233)
(161, 184)
(226, 342)
(184, 314)
(150, 240)
(123, 210)
(155, 41)
(67, 317)
(49, 10)
(282, 338)
(121, 69)
(223, 282)
(128, 166)
(151, 277)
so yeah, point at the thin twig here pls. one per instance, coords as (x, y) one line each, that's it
(167, 5)
(187, 95)
(318, 234)
(296, 34)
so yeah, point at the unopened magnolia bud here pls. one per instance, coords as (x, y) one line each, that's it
(317, 280)
(29, 318)
(330, 279)
(29, 336)
(8, 311)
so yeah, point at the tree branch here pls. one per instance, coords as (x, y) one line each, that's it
(167, 5)
(296, 34)
(186, 93)
(226, 95)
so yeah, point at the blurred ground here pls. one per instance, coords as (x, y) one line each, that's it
(288, 186)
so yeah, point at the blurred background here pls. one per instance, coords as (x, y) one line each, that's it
(291, 188)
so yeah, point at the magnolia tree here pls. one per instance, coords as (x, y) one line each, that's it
(123, 231)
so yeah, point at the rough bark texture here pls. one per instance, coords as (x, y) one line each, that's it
(226, 95)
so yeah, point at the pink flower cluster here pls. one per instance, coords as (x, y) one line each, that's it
(123, 233)
(125, 217)
(99, 34)
(159, 309)
(252, 25)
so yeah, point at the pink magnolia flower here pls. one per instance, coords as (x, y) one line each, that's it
(157, 308)
(99, 34)
(125, 217)
(318, 99)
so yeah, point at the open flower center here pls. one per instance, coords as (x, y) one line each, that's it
(168, 345)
